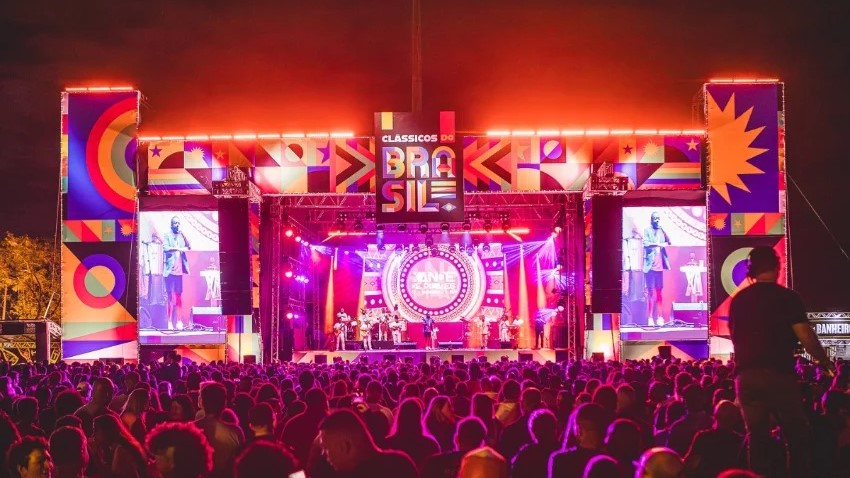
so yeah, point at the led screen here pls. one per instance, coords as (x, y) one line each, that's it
(179, 278)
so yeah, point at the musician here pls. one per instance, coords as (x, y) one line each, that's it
(383, 325)
(174, 247)
(366, 329)
(539, 328)
(427, 329)
(513, 331)
(434, 330)
(504, 326)
(485, 331)
(403, 327)
(341, 328)
(395, 329)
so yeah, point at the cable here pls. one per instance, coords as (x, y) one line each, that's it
(823, 223)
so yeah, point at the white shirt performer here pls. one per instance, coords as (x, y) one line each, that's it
(366, 330)
(341, 329)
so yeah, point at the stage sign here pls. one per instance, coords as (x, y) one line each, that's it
(419, 175)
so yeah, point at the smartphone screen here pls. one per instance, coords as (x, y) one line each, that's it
(298, 474)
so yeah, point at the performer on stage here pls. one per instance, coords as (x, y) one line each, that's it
(513, 331)
(174, 247)
(403, 328)
(655, 262)
(383, 325)
(434, 331)
(341, 328)
(366, 330)
(539, 328)
(504, 324)
(485, 331)
(395, 329)
(427, 326)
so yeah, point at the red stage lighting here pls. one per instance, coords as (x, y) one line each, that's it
(289, 231)
(290, 315)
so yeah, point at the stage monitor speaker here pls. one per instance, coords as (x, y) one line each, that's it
(597, 357)
(562, 356)
(234, 256)
(320, 359)
(383, 344)
(406, 346)
(665, 351)
(389, 358)
(249, 359)
(457, 358)
(607, 254)
(525, 357)
(505, 345)
(449, 345)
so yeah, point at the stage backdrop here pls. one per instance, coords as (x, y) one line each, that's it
(99, 187)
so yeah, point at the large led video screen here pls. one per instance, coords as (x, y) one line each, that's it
(664, 274)
(179, 278)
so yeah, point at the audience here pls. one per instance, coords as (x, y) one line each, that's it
(435, 420)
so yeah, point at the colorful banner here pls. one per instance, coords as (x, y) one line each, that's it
(419, 176)
(98, 301)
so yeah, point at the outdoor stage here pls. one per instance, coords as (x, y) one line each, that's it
(421, 355)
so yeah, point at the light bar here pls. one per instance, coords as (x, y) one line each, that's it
(149, 139)
(198, 137)
(97, 89)
(744, 80)
(498, 133)
(342, 134)
(219, 137)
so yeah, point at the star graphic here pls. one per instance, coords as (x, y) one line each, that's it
(107, 230)
(627, 149)
(692, 145)
(219, 155)
(737, 223)
(155, 151)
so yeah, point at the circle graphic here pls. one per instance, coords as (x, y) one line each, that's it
(437, 281)
(734, 269)
(110, 143)
(99, 281)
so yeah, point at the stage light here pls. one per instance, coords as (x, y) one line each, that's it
(444, 227)
(305, 243)
(287, 271)
(488, 226)
(290, 315)
(466, 226)
(288, 231)
(434, 250)
(470, 250)
(358, 225)
(423, 227)
(402, 227)
(486, 247)
(562, 304)
(429, 241)
(379, 227)
(297, 238)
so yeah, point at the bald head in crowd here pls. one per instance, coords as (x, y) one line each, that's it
(659, 462)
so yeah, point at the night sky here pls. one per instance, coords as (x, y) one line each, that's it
(229, 67)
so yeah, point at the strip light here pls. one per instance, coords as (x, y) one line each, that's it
(744, 80)
(97, 89)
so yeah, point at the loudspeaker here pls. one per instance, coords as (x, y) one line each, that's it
(665, 351)
(457, 358)
(406, 346)
(249, 359)
(607, 254)
(234, 256)
(382, 344)
(287, 344)
(558, 336)
(505, 345)
(42, 342)
(320, 358)
(561, 356)
(389, 358)
(449, 345)
(525, 357)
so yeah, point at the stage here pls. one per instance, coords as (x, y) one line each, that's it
(422, 355)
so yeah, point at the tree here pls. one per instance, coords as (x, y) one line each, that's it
(29, 278)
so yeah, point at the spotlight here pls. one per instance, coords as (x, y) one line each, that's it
(486, 247)
(470, 250)
(506, 220)
(290, 315)
(297, 238)
(488, 226)
(444, 227)
(466, 225)
(289, 231)
(429, 241)
(402, 227)
(562, 304)
(379, 227)
(423, 227)
(557, 230)
(358, 225)
(287, 273)
(434, 250)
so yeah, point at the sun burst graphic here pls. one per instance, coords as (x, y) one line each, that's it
(730, 147)
(718, 223)
(195, 156)
(126, 229)
(650, 149)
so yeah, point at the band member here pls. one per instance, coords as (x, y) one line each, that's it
(341, 328)
(395, 329)
(485, 331)
(513, 331)
(366, 324)
(655, 262)
(427, 326)
(504, 324)
(174, 247)
(539, 328)
(383, 325)
(402, 322)
(434, 331)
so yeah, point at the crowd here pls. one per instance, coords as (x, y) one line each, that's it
(652, 418)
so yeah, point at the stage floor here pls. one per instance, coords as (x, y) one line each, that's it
(422, 355)
(181, 337)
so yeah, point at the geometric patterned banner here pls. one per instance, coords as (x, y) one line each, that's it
(99, 185)
(489, 164)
